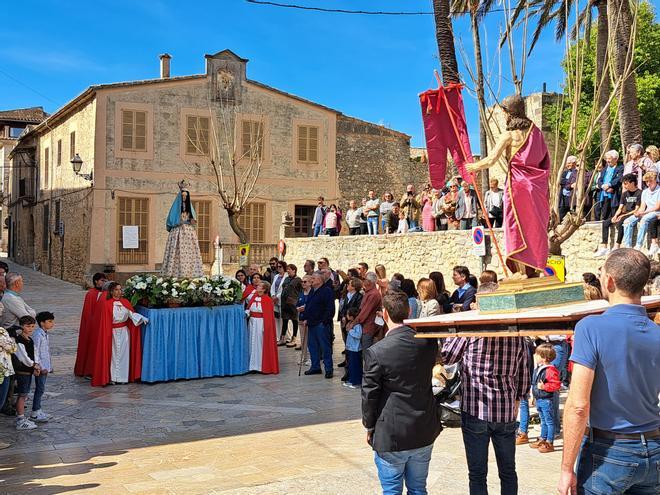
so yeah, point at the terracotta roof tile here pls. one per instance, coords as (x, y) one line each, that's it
(33, 115)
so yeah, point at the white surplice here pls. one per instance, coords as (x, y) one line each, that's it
(121, 341)
(256, 334)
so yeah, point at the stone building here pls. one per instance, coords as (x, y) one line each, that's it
(138, 139)
(12, 125)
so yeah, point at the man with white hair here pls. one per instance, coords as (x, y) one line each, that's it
(14, 305)
(638, 164)
(371, 304)
(319, 315)
(567, 183)
(609, 186)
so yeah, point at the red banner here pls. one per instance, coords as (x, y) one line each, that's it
(445, 130)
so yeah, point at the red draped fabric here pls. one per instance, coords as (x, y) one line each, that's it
(526, 203)
(101, 372)
(87, 334)
(270, 360)
(445, 130)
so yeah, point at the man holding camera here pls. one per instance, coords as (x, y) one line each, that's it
(411, 207)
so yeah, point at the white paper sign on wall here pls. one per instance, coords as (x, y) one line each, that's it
(130, 237)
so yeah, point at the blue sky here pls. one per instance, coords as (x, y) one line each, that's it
(370, 67)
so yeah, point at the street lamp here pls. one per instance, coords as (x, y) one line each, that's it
(77, 164)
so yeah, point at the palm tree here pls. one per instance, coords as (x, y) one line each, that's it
(477, 10)
(621, 25)
(444, 35)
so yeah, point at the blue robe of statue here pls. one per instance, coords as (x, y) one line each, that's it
(182, 257)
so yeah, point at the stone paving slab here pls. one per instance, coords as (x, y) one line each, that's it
(250, 434)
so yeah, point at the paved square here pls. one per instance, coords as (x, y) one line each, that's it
(251, 434)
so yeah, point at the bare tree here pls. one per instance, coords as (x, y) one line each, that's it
(578, 143)
(235, 164)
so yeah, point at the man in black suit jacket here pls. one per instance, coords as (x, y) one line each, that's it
(465, 294)
(398, 407)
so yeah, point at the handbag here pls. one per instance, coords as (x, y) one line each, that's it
(495, 211)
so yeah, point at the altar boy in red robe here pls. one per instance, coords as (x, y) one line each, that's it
(119, 348)
(261, 331)
(88, 333)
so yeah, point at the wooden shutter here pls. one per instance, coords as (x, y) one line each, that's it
(72, 144)
(308, 144)
(203, 210)
(253, 221)
(59, 152)
(46, 166)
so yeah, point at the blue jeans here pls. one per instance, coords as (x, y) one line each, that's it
(39, 388)
(561, 363)
(354, 365)
(383, 225)
(372, 225)
(629, 225)
(477, 435)
(546, 415)
(4, 390)
(523, 427)
(411, 466)
(319, 343)
(317, 230)
(412, 224)
(619, 466)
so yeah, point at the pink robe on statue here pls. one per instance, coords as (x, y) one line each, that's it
(428, 222)
(526, 203)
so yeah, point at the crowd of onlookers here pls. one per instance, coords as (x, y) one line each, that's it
(621, 194)
(453, 207)
(499, 375)
(24, 353)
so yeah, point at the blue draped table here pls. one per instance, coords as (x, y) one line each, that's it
(194, 343)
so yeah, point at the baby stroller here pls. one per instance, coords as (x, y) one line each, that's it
(447, 391)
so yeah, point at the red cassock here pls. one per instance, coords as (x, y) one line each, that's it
(249, 289)
(88, 333)
(270, 363)
(101, 373)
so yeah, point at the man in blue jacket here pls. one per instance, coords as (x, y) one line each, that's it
(319, 313)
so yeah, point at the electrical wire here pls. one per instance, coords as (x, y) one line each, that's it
(346, 11)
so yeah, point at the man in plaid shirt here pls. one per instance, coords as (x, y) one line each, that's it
(495, 377)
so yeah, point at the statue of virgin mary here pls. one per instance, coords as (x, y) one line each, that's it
(182, 257)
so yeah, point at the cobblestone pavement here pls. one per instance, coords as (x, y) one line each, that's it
(251, 434)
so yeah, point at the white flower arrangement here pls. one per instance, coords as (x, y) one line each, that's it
(156, 291)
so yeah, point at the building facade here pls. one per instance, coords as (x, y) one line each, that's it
(12, 124)
(138, 139)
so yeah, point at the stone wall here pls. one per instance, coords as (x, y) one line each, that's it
(415, 255)
(65, 257)
(373, 157)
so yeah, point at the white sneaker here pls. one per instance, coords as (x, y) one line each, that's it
(345, 384)
(24, 424)
(353, 386)
(601, 252)
(40, 416)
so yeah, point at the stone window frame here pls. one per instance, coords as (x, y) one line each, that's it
(321, 148)
(184, 113)
(118, 230)
(266, 158)
(148, 108)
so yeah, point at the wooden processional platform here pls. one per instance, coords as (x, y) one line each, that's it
(536, 322)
